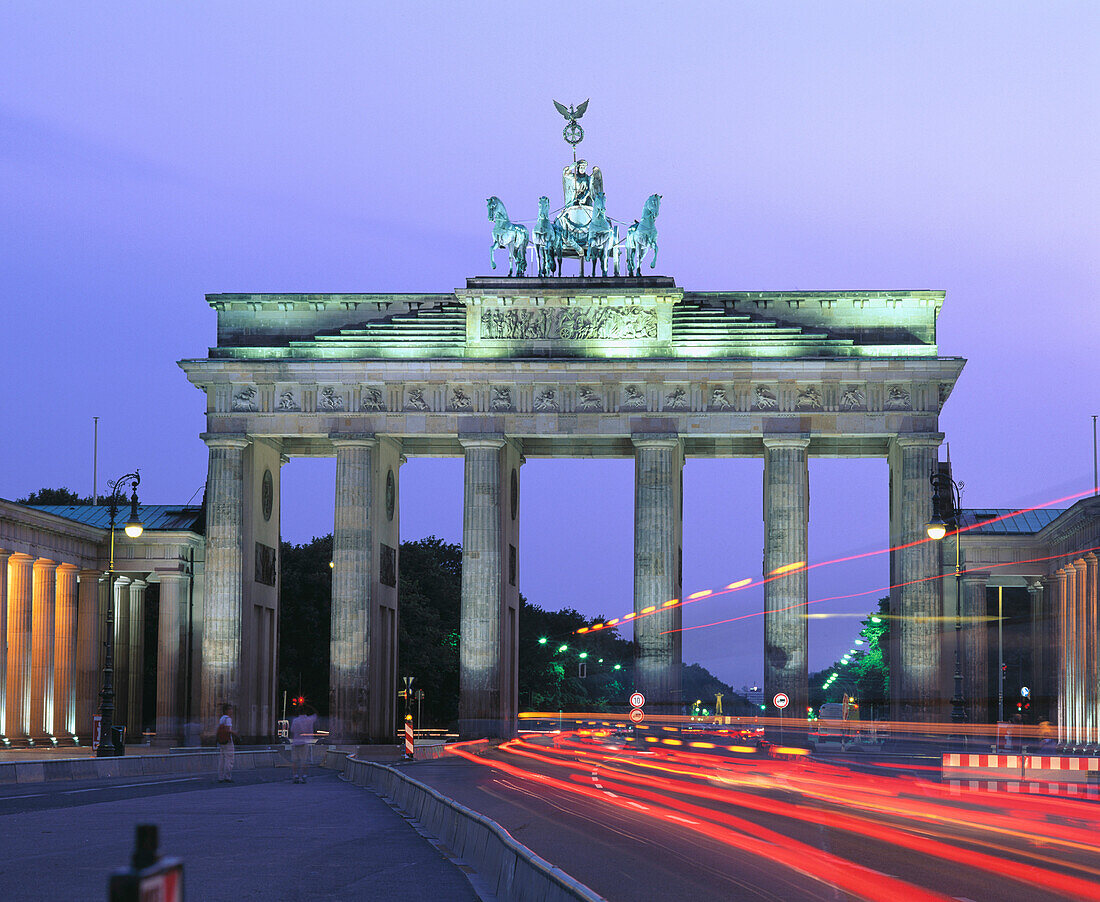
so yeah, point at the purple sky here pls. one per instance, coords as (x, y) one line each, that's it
(151, 153)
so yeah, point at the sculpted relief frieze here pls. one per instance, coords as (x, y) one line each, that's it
(371, 400)
(330, 400)
(633, 398)
(246, 400)
(546, 400)
(570, 324)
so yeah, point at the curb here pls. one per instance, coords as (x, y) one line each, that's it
(512, 871)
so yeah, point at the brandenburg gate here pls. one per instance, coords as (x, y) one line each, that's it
(506, 369)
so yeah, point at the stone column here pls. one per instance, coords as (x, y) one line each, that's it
(20, 596)
(64, 654)
(352, 547)
(1072, 665)
(1092, 691)
(121, 602)
(222, 595)
(658, 515)
(88, 673)
(135, 722)
(1058, 583)
(916, 602)
(172, 591)
(1037, 642)
(42, 639)
(4, 555)
(480, 678)
(786, 542)
(975, 643)
(1084, 643)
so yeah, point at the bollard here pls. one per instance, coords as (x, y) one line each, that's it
(149, 878)
(409, 737)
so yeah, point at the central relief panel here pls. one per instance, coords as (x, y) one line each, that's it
(570, 323)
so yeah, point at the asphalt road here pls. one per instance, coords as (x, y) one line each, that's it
(261, 837)
(596, 830)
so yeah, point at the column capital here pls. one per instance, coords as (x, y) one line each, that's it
(971, 577)
(43, 563)
(227, 440)
(482, 440)
(1091, 558)
(353, 439)
(168, 575)
(1080, 564)
(656, 439)
(1035, 584)
(67, 567)
(89, 574)
(796, 442)
(138, 582)
(121, 580)
(917, 439)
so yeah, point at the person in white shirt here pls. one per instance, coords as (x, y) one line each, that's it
(302, 734)
(226, 750)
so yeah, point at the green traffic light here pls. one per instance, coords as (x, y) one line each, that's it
(542, 640)
(564, 648)
(618, 666)
(584, 654)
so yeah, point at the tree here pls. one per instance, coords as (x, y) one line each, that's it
(59, 496)
(866, 676)
(305, 605)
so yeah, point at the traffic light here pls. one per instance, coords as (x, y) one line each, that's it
(300, 700)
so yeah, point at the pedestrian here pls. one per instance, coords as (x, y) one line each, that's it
(226, 750)
(302, 734)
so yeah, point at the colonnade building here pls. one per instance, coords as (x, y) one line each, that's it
(1029, 605)
(53, 604)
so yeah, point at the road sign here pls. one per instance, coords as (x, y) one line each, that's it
(637, 700)
(781, 701)
(97, 730)
(1025, 691)
(636, 715)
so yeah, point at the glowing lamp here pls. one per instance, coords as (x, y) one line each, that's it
(936, 529)
(133, 528)
(542, 640)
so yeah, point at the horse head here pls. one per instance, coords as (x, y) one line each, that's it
(653, 204)
(495, 206)
(544, 206)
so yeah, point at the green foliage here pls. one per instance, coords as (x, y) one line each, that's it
(699, 684)
(305, 604)
(867, 675)
(549, 678)
(430, 591)
(54, 496)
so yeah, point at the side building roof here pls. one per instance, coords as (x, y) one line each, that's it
(986, 521)
(153, 516)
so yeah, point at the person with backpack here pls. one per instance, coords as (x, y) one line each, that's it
(224, 739)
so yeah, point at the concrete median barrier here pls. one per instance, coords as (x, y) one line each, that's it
(512, 871)
(131, 766)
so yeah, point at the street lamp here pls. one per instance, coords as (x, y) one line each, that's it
(946, 501)
(133, 529)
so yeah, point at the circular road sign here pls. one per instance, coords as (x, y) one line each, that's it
(636, 715)
(781, 701)
(637, 700)
(1025, 691)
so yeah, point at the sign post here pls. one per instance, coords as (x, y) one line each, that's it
(636, 715)
(781, 701)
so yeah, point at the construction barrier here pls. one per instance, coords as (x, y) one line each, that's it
(1047, 773)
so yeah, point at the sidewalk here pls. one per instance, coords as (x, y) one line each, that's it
(267, 840)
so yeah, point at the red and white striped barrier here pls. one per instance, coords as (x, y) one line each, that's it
(1053, 769)
(1078, 790)
(409, 739)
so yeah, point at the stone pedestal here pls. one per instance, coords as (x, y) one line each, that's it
(64, 655)
(916, 601)
(488, 667)
(42, 628)
(221, 637)
(975, 647)
(786, 524)
(658, 517)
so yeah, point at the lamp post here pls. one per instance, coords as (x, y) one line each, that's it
(133, 529)
(946, 501)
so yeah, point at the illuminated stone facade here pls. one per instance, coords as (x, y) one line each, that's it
(502, 370)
